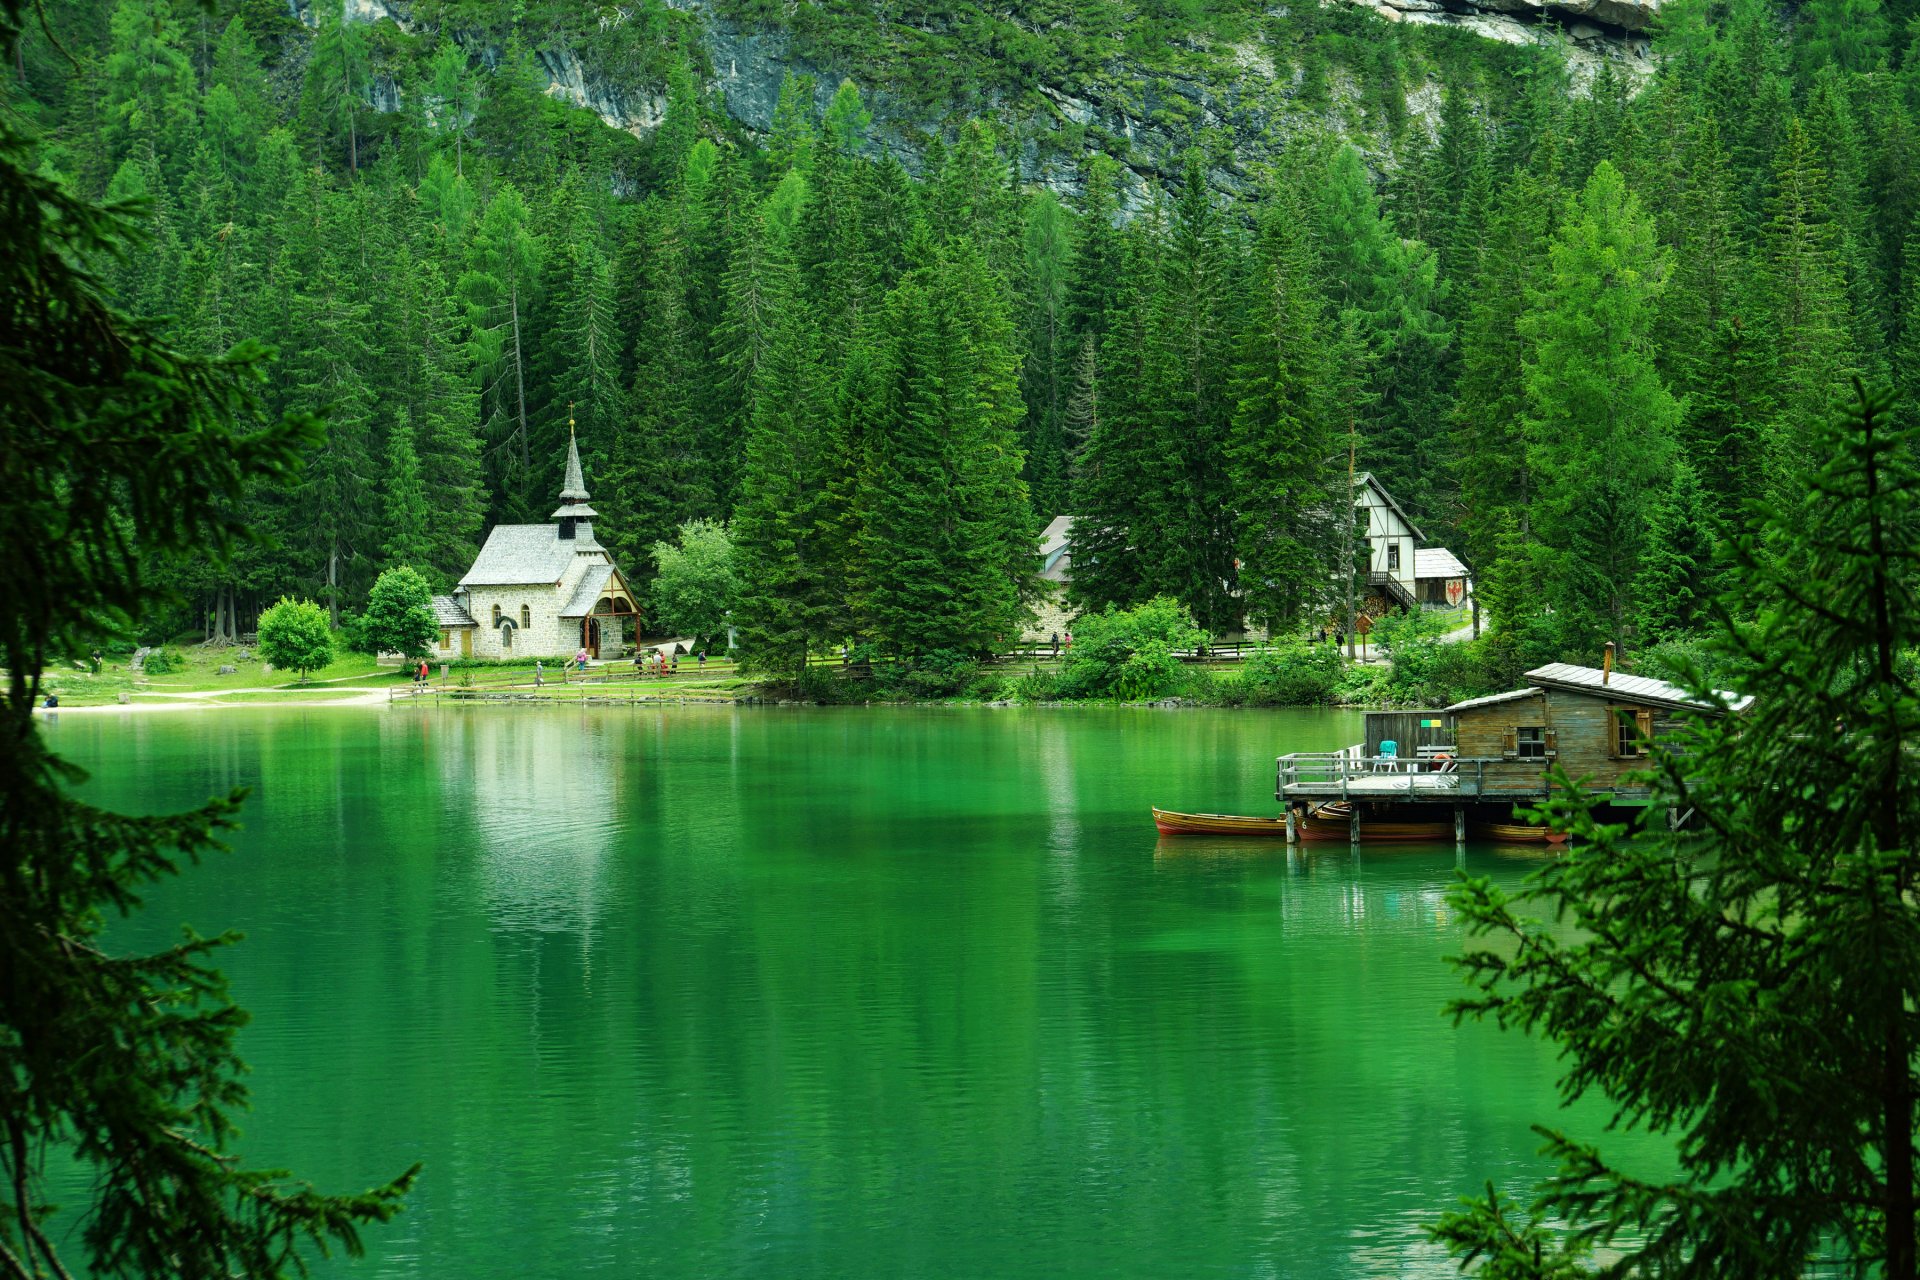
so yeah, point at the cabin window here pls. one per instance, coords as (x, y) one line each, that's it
(1393, 557)
(1530, 742)
(496, 615)
(1631, 731)
(446, 639)
(526, 616)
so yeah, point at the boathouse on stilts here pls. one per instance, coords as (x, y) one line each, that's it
(1421, 775)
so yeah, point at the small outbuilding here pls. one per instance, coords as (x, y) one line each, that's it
(1593, 722)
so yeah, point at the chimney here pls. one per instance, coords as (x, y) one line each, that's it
(1606, 665)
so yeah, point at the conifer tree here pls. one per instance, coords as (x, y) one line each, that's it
(946, 534)
(1114, 474)
(404, 513)
(782, 529)
(1288, 479)
(1729, 983)
(1490, 404)
(1045, 378)
(1600, 423)
(1808, 314)
(1191, 317)
(1678, 566)
(499, 287)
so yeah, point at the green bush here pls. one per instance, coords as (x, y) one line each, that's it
(164, 662)
(1130, 653)
(940, 674)
(1294, 674)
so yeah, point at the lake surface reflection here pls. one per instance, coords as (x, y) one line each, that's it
(772, 992)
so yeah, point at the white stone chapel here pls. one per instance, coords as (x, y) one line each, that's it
(541, 590)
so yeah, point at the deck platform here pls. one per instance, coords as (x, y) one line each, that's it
(1353, 775)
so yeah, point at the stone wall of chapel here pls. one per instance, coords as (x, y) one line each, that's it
(546, 635)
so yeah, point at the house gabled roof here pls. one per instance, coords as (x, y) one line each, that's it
(1643, 689)
(1491, 698)
(447, 612)
(1056, 549)
(519, 555)
(1437, 562)
(1366, 478)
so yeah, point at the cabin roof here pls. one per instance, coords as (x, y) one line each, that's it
(1491, 698)
(1437, 562)
(587, 592)
(447, 612)
(1592, 680)
(1365, 478)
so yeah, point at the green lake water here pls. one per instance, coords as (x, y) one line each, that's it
(838, 992)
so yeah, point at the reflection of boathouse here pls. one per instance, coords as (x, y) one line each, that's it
(541, 590)
(1483, 757)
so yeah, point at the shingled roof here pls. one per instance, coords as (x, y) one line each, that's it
(588, 590)
(521, 555)
(448, 613)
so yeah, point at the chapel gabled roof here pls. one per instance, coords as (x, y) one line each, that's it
(586, 592)
(522, 555)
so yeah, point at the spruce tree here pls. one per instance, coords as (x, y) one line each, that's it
(1678, 567)
(1289, 478)
(405, 516)
(499, 286)
(1045, 378)
(1740, 984)
(1599, 421)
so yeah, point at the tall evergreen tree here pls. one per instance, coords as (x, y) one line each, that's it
(1289, 479)
(1600, 423)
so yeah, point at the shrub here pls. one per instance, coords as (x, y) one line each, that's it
(940, 674)
(163, 662)
(1130, 653)
(1294, 674)
(294, 636)
(1035, 686)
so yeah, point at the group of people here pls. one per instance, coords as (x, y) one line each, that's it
(661, 663)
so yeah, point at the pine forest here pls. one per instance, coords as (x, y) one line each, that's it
(1575, 318)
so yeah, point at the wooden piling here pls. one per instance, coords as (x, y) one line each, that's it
(1293, 833)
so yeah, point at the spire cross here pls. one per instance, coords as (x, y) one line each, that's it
(569, 418)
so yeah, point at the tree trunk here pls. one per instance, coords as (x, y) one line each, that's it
(333, 581)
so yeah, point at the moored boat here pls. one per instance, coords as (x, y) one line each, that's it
(1516, 833)
(1172, 823)
(1334, 821)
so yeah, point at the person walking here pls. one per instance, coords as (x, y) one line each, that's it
(1056, 644)
(539, 673)
(703, 661)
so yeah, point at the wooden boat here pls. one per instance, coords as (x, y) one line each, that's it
(1216, 824)
(1333, 821)
(1516, 833)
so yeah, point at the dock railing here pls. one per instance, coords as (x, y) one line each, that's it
(1341, 773)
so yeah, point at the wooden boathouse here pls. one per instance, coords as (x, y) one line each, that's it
(1486, 755)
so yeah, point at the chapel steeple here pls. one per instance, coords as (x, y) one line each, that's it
(574, 515)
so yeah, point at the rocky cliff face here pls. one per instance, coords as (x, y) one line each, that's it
(1248, 97)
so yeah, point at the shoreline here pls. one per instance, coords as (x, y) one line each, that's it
(378, 699)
